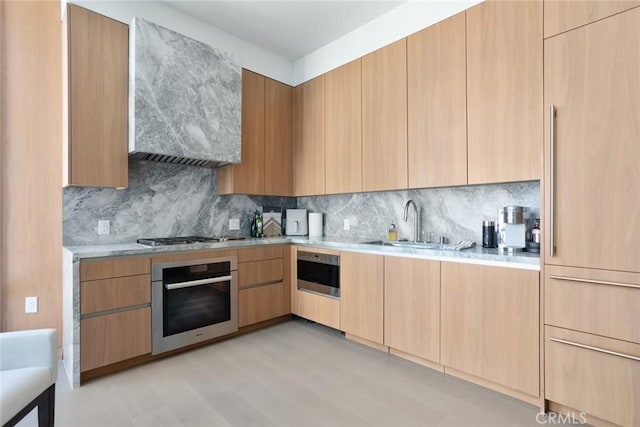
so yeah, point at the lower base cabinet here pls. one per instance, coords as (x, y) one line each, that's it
(491, 324)
(318, 308)
(594, 374)
(362, 295)
(412, 306)
(260, 303)
(114, 337)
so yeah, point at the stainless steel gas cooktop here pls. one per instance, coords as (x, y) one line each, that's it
(186, 240)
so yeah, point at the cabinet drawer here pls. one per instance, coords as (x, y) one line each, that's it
(115, 337)
(113, 267)
(257, 254)
(595, 301)
(260, 303)
(597, 375)
(109, 294)
(323, 310)
(259, 272)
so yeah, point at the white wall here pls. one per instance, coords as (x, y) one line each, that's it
(388, 28)
(247, 54)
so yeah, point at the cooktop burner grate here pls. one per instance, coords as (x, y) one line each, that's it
(185, 240)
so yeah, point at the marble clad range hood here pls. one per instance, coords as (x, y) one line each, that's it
(184, 99)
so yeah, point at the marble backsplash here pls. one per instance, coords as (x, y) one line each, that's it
(454, 212)
(162, 200)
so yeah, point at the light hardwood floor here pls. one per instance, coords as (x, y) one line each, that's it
(293, 374)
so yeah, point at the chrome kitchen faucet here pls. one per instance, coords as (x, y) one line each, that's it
(415, 218)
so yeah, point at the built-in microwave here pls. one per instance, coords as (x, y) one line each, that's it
(319, 273)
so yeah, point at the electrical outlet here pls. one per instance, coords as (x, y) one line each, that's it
(104, 226)
(347, 224)
(31, 305)
(234, 224)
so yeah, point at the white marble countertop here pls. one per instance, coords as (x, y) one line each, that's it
(475, 255)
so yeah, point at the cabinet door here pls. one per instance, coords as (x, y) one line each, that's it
(412, 306)
(362, 295)
(594, 374)
(260, 303)
(504, 91)
(247, 177)
(344, 129)
(115, 337)
(259, 272)
(563, 15)
(384, 118)
(490, 324)
(278, 139)
(114, 293)
(437, 105)
(592, 79)
(98, 55)
(318, 308)
(309, 138)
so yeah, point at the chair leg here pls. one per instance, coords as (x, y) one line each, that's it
(46, 407)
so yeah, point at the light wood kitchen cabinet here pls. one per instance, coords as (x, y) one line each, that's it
(491, 324)
(593, 374)
(343, 113)
(593, 180)
(262, 288)
(266, 166)
(309, 138)
(318, 308)
(278, 139)
(599, 302)
(96, 73)
(260, 303)
(362, 295)
(114, 337)
(412, 306)
(563, 15)
(315, 307)
(115, 312)
(384, 118)
(247, 177)
(504, 91)
(437, 105)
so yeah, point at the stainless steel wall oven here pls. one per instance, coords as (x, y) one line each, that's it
(193, 301)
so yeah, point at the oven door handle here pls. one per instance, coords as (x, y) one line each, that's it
(172, 286)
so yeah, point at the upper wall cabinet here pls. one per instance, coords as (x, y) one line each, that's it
(278, 139)
(309, 138)
(267, 131)
(384, 118)
(437, 96)
(563, 15)
(97, 67)
(504, 91)
(343, 113)
(247, 177)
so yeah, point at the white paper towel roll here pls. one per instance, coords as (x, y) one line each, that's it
(315, 224)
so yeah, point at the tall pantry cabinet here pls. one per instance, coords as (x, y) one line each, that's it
(592, 215)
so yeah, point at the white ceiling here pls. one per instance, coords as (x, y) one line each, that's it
(292, 28)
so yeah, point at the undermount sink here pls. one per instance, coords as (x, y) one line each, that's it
(405, 244)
